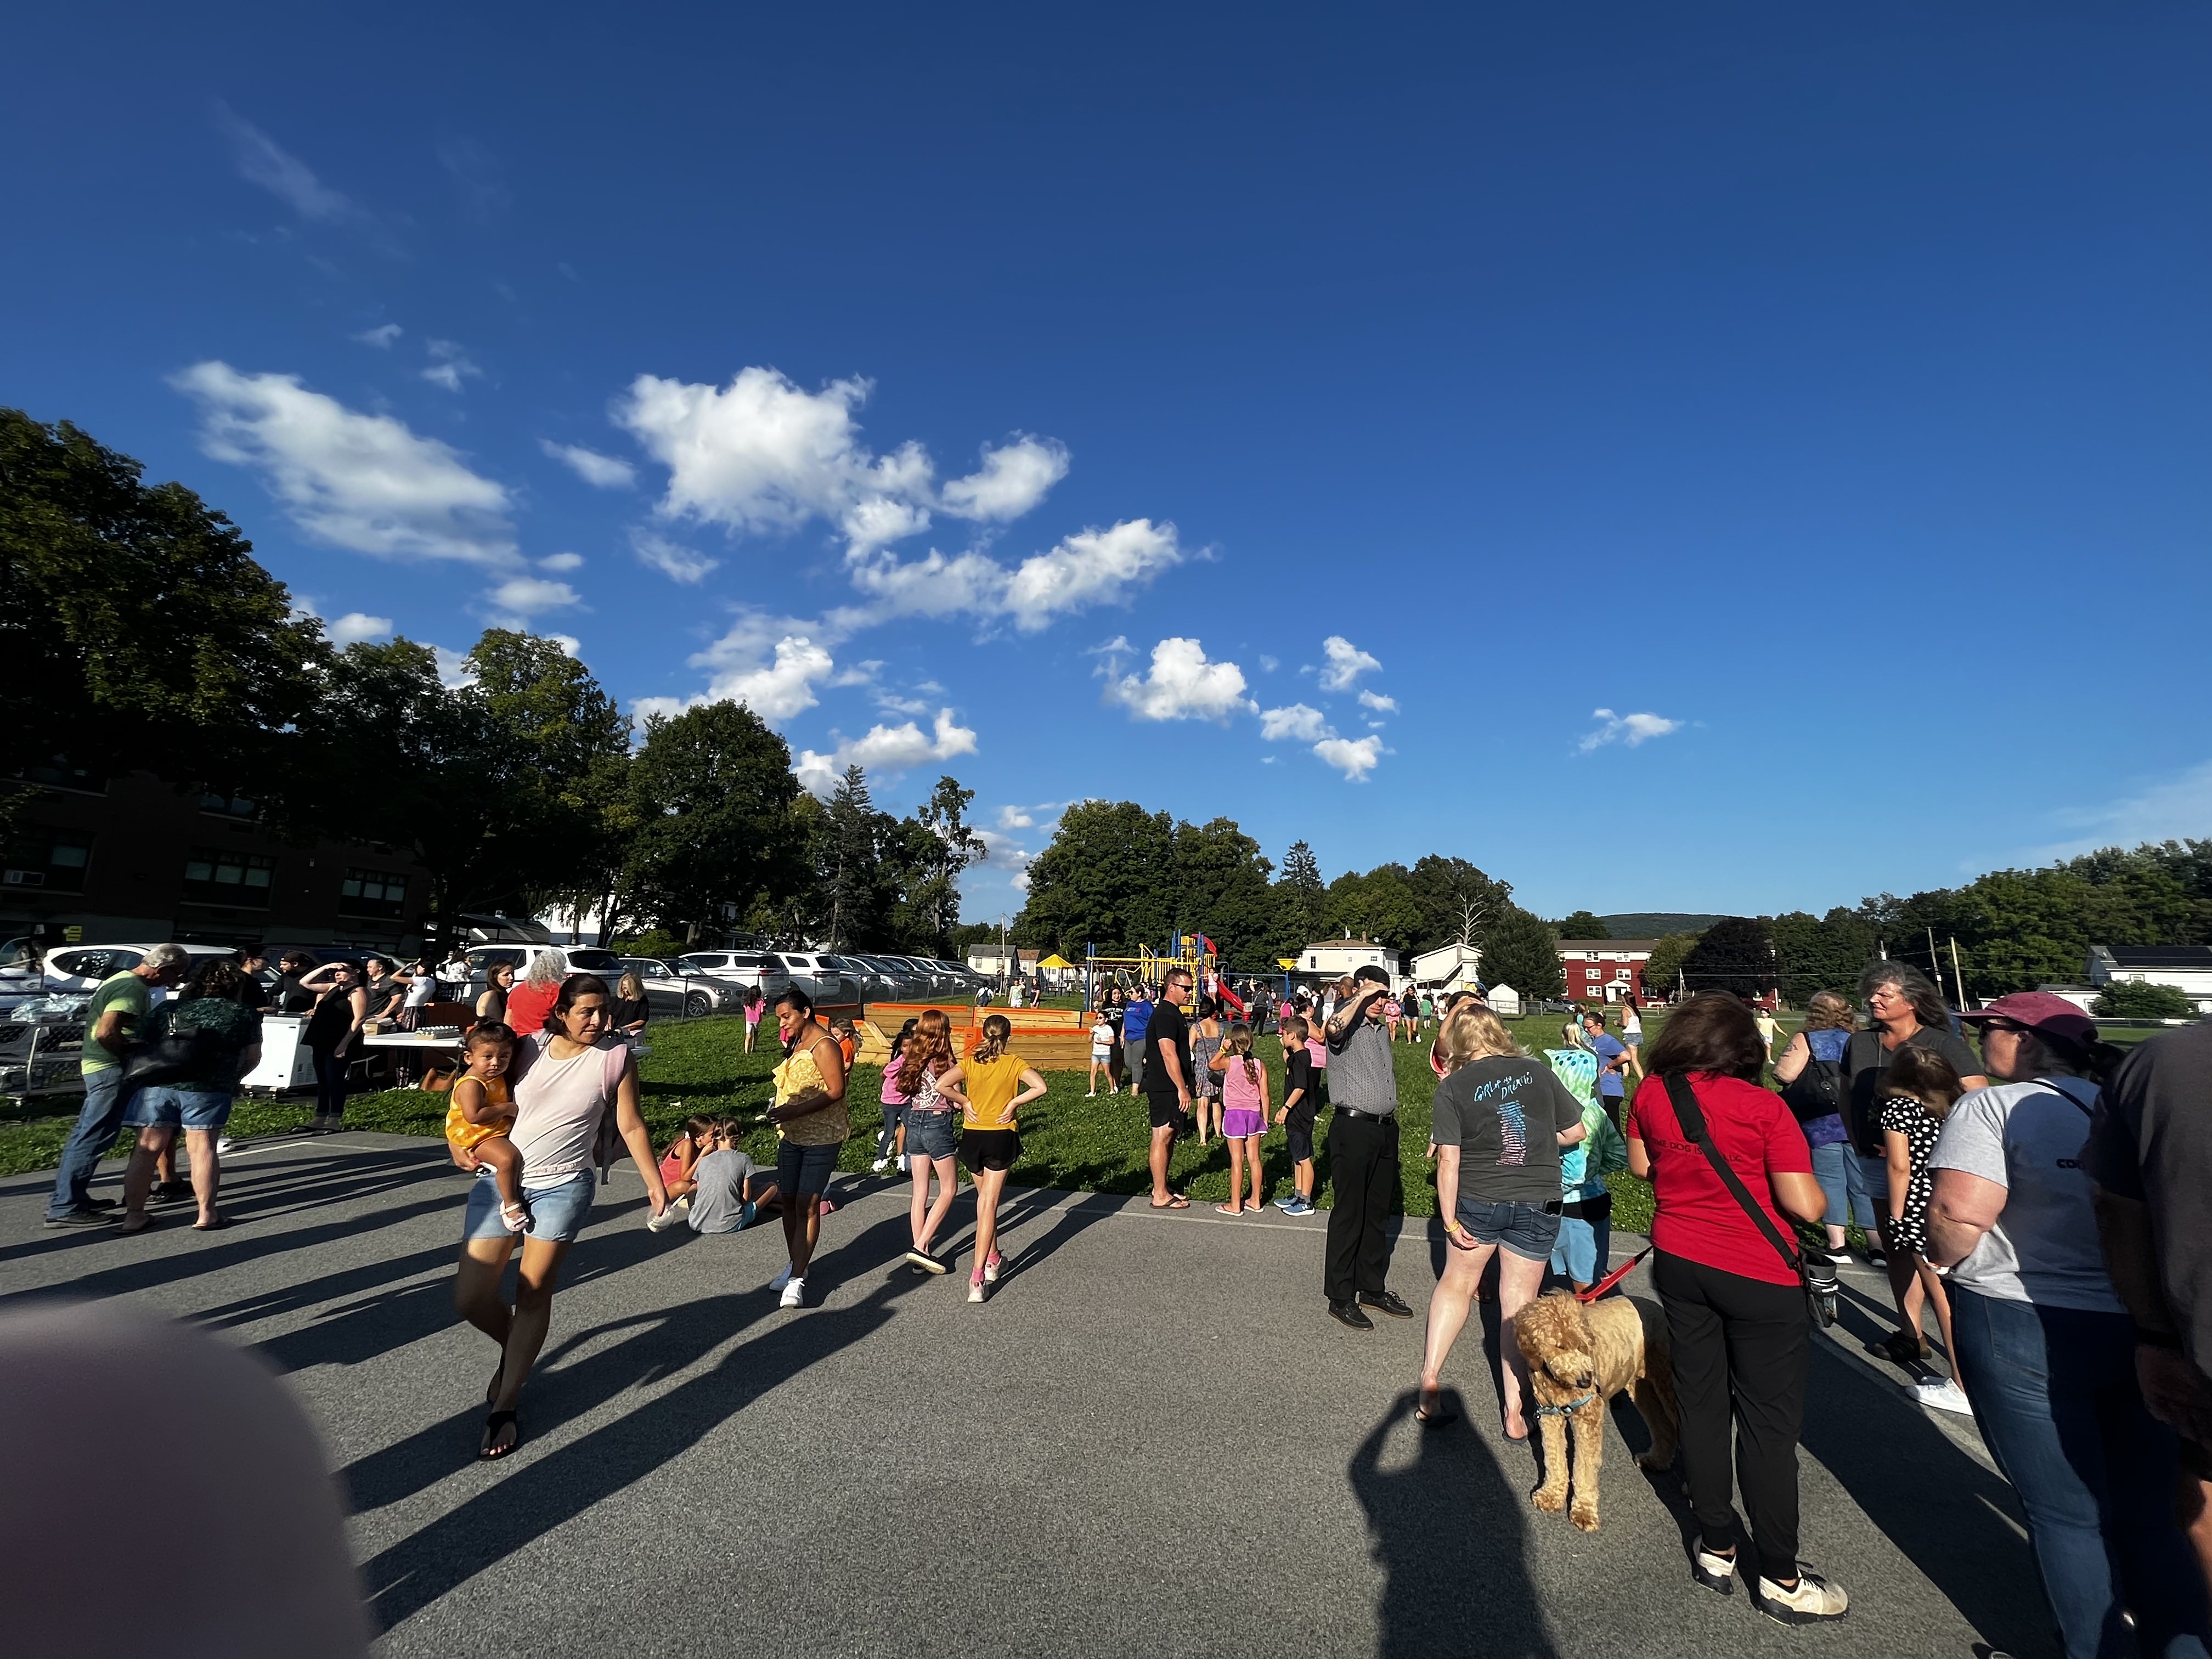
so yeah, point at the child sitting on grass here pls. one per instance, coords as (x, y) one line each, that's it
(483, 1111)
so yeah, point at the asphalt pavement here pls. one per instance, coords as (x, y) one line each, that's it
(1152, 1438)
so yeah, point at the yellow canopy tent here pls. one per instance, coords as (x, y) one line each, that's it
(1055, 960)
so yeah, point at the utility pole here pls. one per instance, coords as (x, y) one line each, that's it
(1958, 978)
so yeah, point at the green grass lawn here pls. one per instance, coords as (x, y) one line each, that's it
(1068, 1140)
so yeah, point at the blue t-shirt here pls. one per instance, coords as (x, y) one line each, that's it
(1608, 1048)
(1133, 1023)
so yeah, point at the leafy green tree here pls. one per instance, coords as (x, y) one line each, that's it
(857, 890)
(136, 631)
(1582, 925)
(1521, 950)
(1819, 953)
(2131, 999)
(1301, 904)
(1457, 901)
(1736, 953)
(1107, 879)
(1662, 973)
(1380, 905)
(721, 829)
(935, 846)
(1221, 890)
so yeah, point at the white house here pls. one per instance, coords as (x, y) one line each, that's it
(1448, 966)
(1336, 957)
(987, 959)
(2187, 968)
(1505, 1002)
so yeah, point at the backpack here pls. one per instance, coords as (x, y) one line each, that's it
(1818, 1091)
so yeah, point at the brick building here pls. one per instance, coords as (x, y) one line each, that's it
(130, 859)
(1605, 970)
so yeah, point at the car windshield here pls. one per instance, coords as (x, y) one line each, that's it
(593, 962)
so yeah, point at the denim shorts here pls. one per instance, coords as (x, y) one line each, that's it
(1525, 1229)
(804, 1171)
(168, 1105)
(557, 1212)
(929, 1134)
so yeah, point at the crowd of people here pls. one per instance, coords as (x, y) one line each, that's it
(2043, 1199)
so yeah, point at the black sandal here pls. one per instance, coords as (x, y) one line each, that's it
(1436, 1418)
(493, 1425)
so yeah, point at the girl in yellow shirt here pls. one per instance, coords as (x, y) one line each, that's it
(990, 1087)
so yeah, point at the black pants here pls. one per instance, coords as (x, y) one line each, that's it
(1732, 1334)
(330, 1084)
(1362, 1169)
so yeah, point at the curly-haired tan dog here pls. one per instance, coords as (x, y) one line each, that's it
(1579, 1356)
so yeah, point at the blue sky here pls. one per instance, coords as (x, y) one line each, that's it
(1308, 416)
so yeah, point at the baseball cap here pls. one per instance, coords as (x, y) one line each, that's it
(2040, 1011)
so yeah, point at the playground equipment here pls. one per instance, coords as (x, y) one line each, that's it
(1192, 952)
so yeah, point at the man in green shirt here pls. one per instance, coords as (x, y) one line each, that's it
(112, 1019)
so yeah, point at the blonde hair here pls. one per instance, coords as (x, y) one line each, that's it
(630, 986)
(1827, 1012)
(1472, 1033)
(1239, 1043)
(998, 1032)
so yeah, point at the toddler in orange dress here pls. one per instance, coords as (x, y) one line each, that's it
(483, 1111)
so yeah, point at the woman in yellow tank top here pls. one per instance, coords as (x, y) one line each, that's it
(990, 1087)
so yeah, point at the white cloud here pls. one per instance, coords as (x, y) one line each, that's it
(600, 471)
(1629, 729)
(1016, 817)
(1012, 479)
(363, 482)
(767, 664)
(1296, 721)
(1268, 665)
(890, 702)
(678, 563)
(451, 366)
(453, 669)
(1182, 685)
(562, 562)
(885, 749)
(380, 337)
(1088, 568)
(1378, 702)
(356, 626)
(284, 175)
(520, 598)
(1346, 663)
(569, 644)
(1354, 758)
(644, 708)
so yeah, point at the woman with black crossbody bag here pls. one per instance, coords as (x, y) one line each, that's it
(1740, 1313)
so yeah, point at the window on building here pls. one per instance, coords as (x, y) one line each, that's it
(1590, 956)
(371, 893)
(59, 774)
(1623, 974)
(230, 806)
(50, 858)
(223, 875)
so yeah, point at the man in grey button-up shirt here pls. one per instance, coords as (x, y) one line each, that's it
(1363, 1153)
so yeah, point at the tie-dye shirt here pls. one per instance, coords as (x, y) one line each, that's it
(1505, 1114)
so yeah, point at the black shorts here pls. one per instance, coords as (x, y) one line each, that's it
(1166, 1112)
(804, 1171)
(989, 1149)
(1299, 1139)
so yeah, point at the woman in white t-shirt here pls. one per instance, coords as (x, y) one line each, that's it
(567, 1079)
(2047, 1347)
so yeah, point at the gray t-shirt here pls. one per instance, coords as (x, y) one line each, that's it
(719, 1206)
(2027, 1138)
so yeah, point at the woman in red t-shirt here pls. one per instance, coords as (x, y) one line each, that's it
(530, 1002)
(1735, 1310)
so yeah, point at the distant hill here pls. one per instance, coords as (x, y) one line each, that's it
(1654, 925)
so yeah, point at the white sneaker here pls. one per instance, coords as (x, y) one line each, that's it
(1715, 1572)
(903, 1170)
(661, 1223)
(1944, 1394)
(794, 1293)
(1813, 1599)
(222, 1146)
(880, 1165)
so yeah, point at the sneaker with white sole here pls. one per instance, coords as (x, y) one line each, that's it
(975, 1286)
(1811, 1600)
(927, 1261)
(1715, 1572)
(993, 1267)
(794, 1293)
(661, 1223)
(880, 1165)
(1942, 1393)
(903, 1170)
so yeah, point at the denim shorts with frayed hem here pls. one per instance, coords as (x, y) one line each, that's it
(171, 1106)
(1526, 1229)
(929, 1134)
(557, 1212)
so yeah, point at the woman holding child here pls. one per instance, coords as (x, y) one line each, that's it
(567, 1079)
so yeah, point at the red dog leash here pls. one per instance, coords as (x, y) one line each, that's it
(1612, 1278)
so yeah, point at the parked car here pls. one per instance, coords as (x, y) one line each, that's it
(677, 987)
(575, 959)
(819, 975)
(741, 969)
(81, 967)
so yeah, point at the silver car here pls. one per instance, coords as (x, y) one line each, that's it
(740, 969)
(677, 987)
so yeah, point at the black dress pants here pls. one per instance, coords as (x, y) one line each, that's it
(1749, 1339)
(1362, 1169)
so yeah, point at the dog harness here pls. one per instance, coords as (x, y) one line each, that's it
(1571, 1406)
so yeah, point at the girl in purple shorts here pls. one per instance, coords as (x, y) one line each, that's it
(1243, 1119)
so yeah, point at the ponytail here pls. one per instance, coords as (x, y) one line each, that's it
(998, 1032)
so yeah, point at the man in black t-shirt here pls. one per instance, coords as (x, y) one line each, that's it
(1165, 1069)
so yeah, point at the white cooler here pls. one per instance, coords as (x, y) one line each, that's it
(286, 1063)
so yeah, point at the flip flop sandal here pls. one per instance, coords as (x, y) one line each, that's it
(1178, 1202)
(1228, 1209)
(222, 1220)
(1436, 1418)
(492, 1453)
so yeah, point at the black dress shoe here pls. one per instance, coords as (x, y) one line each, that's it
(1388, 1302)
(1347, 1313)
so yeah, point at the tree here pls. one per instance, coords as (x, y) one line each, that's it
(1456, 902)
(136, 631)
(1301, 903)
(1819, 953)
(1107, 879)
(1662, 974)
(1736, 953)
(854, 884)
(1523, 953)
(721, 823)
(2131, 1000)
(1221, 890)
(936, 844)
(1380, 905)
(1582, 925)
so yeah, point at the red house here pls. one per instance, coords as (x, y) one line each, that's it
(1606, 970)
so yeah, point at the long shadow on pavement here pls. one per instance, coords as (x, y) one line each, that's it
(530, 1497)
(1449, 1533)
